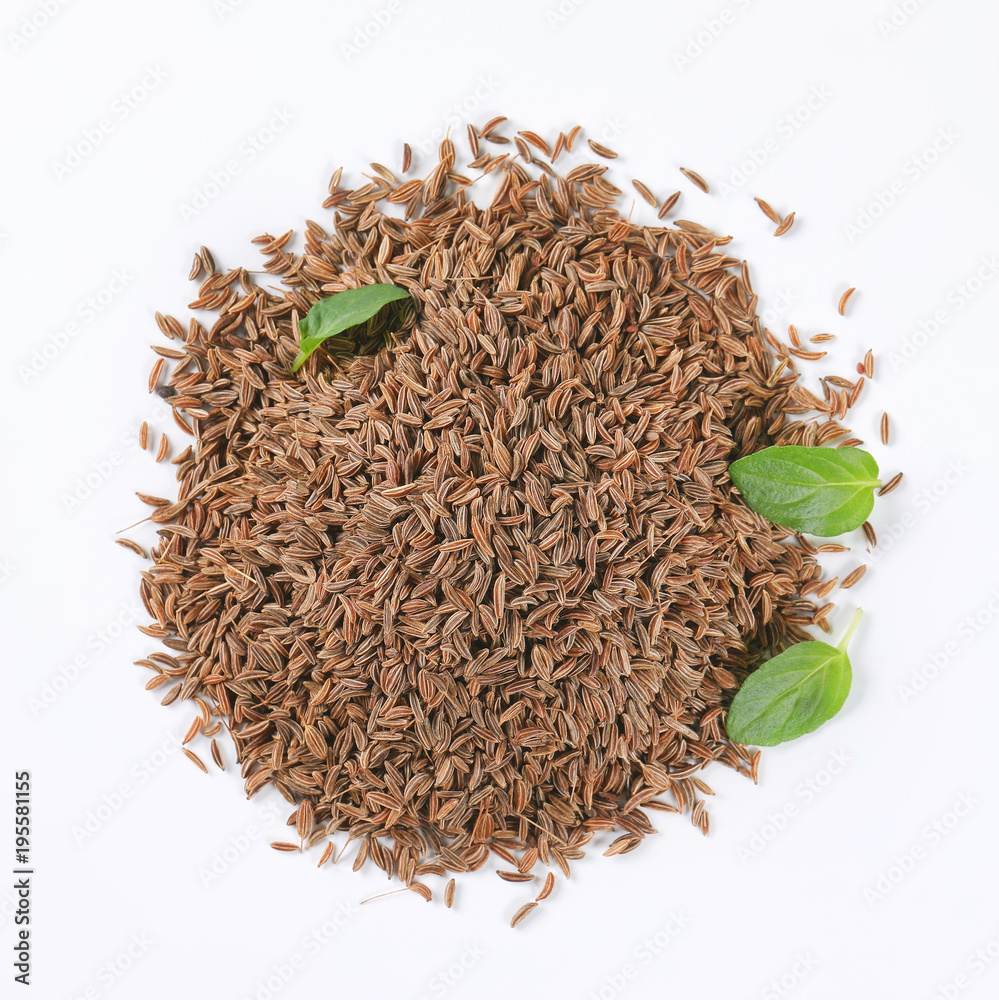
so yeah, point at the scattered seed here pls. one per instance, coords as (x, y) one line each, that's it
(843, 300)
(515, 876)
(164, 447)
(853, 577)
(135, 547)
(421, 890)
(194, 758)
(695, 178)
(527, 907)
(546, 889)
(890, 485)
(869, 533)
(669, 204)
(144, 435)
(283, 845)
(767, 210)
(217, 754)
(644, 191)
(607, 154)
(885, 428)
(869, 364)
(785, 225)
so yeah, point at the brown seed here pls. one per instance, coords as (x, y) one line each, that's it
(546, 889)
(449, 893)
(134, 546)
(193, 731)
(492, 124)
(853, 577)
(195, 759)
(890, 485)
(524, 910)
(144, 435)
(164, 447)
(785, 225)
(669, 204)
(885, 428)
(767, 210)
(841, 308)
(644, 191)
(695, 178)
(607, 154)
(407, 157)
(515, 876)
(154, 373)
(869, 364)
(217, 754)
(283, 845)
(869, 534)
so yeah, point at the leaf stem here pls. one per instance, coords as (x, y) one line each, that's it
(851, 628)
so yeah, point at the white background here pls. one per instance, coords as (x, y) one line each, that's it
(879, 882)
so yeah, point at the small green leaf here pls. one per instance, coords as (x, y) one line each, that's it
(331, 316)
(793, 693)
(824, 491)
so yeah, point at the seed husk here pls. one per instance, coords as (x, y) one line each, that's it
(522, 913)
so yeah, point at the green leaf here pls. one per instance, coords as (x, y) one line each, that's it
(793, 693)
(824, 491)
(331, 316)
